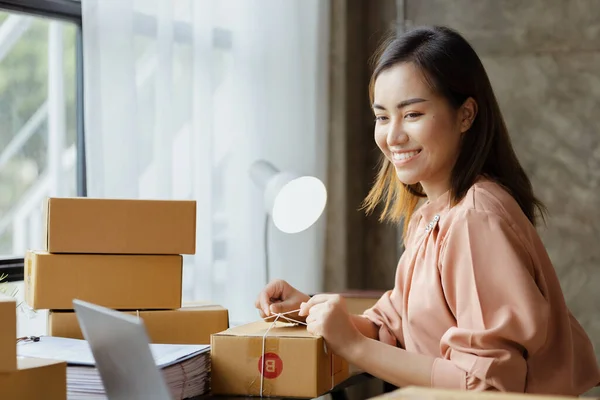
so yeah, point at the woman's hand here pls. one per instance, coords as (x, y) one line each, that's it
(327, 316)
(279, 297)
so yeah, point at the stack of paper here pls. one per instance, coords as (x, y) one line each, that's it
(186, 368)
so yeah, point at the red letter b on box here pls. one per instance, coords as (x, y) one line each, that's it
(273, 366)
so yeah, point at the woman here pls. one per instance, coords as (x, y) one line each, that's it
(476, 303)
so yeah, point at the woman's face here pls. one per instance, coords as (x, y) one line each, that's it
(416, 129)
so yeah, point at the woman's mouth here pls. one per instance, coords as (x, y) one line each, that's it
(404, 157)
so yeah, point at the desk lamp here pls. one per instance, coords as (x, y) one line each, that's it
(293, 201)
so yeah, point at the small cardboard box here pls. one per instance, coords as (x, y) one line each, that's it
(186, 325)
(357, 301)
(422, 393)
(296, 363)
(111, 226)
(8, 334)
(128, 282)
(35, 379)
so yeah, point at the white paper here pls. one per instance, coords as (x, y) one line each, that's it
(184, 367)
(78, 352)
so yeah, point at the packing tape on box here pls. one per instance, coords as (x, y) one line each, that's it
(262, 357)
(256, 351)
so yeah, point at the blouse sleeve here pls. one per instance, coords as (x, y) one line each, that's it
(387, 318)
(501, 316)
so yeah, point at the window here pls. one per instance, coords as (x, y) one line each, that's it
(183, 97)
(41, 130)
(37, 123)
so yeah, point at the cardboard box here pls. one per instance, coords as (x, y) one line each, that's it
(129, 282)
(8, 334)
(110, 226)
(422, 393)
(35, 379)
(358, 301)
(297, 364)
(186, 325)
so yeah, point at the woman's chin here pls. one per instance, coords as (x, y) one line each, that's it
(407, 179)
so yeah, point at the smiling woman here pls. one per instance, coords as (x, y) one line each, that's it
(476, 303)
(417, 130)
(436, 97)
(475, 280)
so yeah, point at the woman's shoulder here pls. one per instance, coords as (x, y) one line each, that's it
(487, 197)
(489, 210)
(490, 197)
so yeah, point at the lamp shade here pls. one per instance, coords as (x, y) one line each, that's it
(293, 201)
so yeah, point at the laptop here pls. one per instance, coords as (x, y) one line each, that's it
(121, 349)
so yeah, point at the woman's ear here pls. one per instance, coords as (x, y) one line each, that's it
(468, 112)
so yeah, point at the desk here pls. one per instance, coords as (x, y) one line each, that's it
(337, 393)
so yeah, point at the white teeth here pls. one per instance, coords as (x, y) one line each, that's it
(404, 156)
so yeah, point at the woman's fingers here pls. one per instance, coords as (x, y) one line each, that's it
(313, 301)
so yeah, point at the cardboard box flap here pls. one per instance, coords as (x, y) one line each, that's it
(259, 328)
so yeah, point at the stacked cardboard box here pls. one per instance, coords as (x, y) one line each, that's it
(20, 378)
(121, 254)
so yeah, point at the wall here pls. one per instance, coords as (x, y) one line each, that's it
(361, 253)
(543, 58)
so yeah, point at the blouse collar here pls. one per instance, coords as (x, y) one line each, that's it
(431, 211)
(439, 206)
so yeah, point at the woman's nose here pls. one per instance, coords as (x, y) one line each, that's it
(396, 135)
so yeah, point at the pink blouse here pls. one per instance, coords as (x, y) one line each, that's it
(476, 289)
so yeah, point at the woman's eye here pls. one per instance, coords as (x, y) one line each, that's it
(412, 115)
(380, 118)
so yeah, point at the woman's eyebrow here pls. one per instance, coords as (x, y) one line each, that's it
(402, 104)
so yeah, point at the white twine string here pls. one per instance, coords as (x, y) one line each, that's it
(277, 317)
(283, 315)
(264, 339)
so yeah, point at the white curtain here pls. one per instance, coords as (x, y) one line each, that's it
(181, 96)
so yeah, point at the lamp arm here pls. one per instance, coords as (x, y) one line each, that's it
(261, 172)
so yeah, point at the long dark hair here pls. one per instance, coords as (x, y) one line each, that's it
(452, 69)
